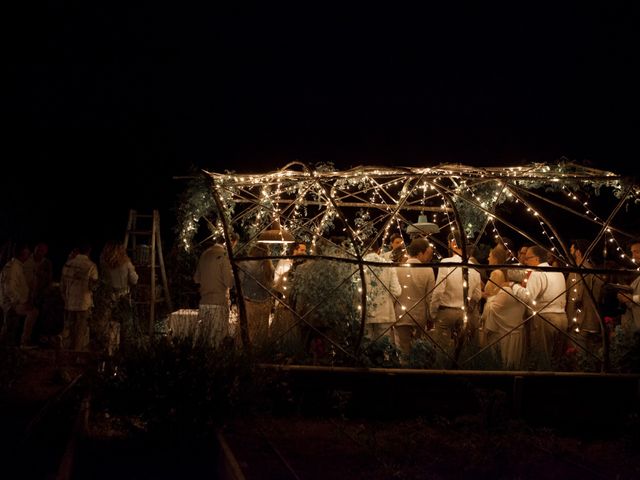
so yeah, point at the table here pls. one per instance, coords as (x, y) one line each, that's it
(182, 323)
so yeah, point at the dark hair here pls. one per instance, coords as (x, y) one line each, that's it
(394, 236)
(581, 244)
(455, 236)
(417, 246)
(294, 246)
(539, 252)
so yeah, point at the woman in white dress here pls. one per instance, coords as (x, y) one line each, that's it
(503, 316)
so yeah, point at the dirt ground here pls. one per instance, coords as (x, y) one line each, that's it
(320, 447)
(308, 448)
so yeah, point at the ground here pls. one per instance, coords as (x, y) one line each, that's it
(423, 449)
(329, 446)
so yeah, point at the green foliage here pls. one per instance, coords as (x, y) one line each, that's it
(195, 203)
(479, 359)
(423, 354)
(380, 353)
(323, 290)
(624, 351)
(176, 386)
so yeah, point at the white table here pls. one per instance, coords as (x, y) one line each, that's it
(183, 322)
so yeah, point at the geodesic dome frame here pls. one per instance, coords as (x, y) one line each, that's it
(349, 211)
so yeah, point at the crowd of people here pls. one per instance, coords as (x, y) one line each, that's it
(40, 312)
(520, 309)
(514, 307)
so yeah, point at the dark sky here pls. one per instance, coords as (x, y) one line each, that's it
(138, 92)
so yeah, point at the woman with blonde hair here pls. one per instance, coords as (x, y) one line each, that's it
(502, 316)
(118, 275)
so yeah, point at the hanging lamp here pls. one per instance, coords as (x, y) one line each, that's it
(275, 234)
(423, 227)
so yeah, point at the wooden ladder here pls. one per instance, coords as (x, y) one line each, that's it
(148, 259)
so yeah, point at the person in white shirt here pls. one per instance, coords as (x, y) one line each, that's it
(382, 290)
(398, 253)
(412, 308)
(15, 297)
(77, 283)
(545, 295)
(448, 307)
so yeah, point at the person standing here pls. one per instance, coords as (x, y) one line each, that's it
(256, 278)
(545, 295)
(412, 308)
(448, 302)
(382, 290)
(15, 298)
(398, 253)
(78, 281)
(502, 316)
(215, 277)
(284, 265)
(630, 319)
(38, 270)
(284, 331)
(584, 292)
(117, 325)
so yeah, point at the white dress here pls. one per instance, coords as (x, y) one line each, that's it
(503, 317)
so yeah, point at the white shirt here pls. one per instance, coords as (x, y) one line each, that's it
(449, 286)
(417, 285)
(382, 283)
(545, 291)
(79, 276)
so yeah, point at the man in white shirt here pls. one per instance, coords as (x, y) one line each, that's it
(545, 295)
(448, 306)
(412, 309)
(397, 253)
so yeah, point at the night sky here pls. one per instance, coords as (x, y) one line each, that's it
(134, 93)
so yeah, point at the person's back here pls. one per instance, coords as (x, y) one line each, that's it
(79, 279)
(448, 299)
(15, 298)
(256, 278)
(544, 293)
(77, 282)
(412, 307)
(117, 326)
(382, 290)
(116, 268)
(214, 275)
